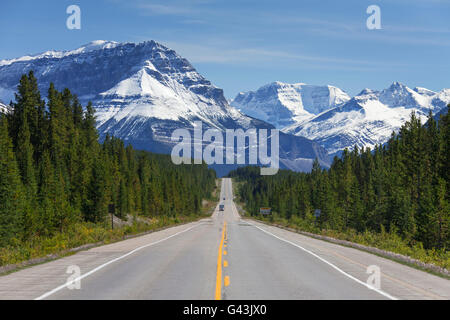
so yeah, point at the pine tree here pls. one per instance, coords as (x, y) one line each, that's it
(98, 200)
(11, 189)
(401, 186)
(45, 223)
(122, 200)
(31, 107)
(54, 172)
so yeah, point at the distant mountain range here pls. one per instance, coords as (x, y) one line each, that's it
(283, 104)
(143, 92)
(330, 117)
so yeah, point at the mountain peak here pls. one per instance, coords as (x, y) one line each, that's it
(370, 117)
(397, 86)
(91, 46)
(365, 92)
(143, 92)
(280, 84)
(282, 104)
(97, 45)
(424, 91)
(275, 84)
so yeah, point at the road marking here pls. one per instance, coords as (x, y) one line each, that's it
(225, 252)
(387, 295)
(226, 281)
(410, 286)
(49, 293)
(225, 263)
(218, 294)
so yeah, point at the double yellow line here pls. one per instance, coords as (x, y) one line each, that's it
(218, 295)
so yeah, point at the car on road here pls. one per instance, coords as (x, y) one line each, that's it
(221, 207)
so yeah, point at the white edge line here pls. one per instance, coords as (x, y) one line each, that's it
(387, 295)
(49, 293)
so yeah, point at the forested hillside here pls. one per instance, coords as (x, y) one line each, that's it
(401, 187)
(54, 173)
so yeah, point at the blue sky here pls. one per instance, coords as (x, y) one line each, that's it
(241, 45)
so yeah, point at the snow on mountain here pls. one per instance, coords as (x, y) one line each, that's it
(282, 104)
(3, 108)
(150, 93)
(328, 116)
(92, 46)
(370, 117)
(440, 100)
(143, 92)
(398, 95)
(124, 81)
(424, 91)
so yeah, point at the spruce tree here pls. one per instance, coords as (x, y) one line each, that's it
(12, 201)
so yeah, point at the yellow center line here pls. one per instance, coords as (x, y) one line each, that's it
(227, 281)
(218, 295)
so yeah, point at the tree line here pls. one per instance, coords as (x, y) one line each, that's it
(401, 186)
(54, 172)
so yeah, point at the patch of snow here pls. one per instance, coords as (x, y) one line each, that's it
(282, 104)
(370, 117)
(92, 46)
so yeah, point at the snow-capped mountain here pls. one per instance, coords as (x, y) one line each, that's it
(370, 117)
(3, 108)
(142, 93)
(92, 46)
(283, 104)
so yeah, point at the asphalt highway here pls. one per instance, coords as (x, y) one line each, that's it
(222, 257)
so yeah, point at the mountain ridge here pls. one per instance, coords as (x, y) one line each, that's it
(282, 104)
(143, 92)
(364, 120)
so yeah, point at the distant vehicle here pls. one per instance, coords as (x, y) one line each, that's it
(223, 198)
(221, 207)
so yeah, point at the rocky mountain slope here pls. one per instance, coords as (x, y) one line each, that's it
(330, 117)
(143, 92)
(283, 104)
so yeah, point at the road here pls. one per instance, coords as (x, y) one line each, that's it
(221, 257)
